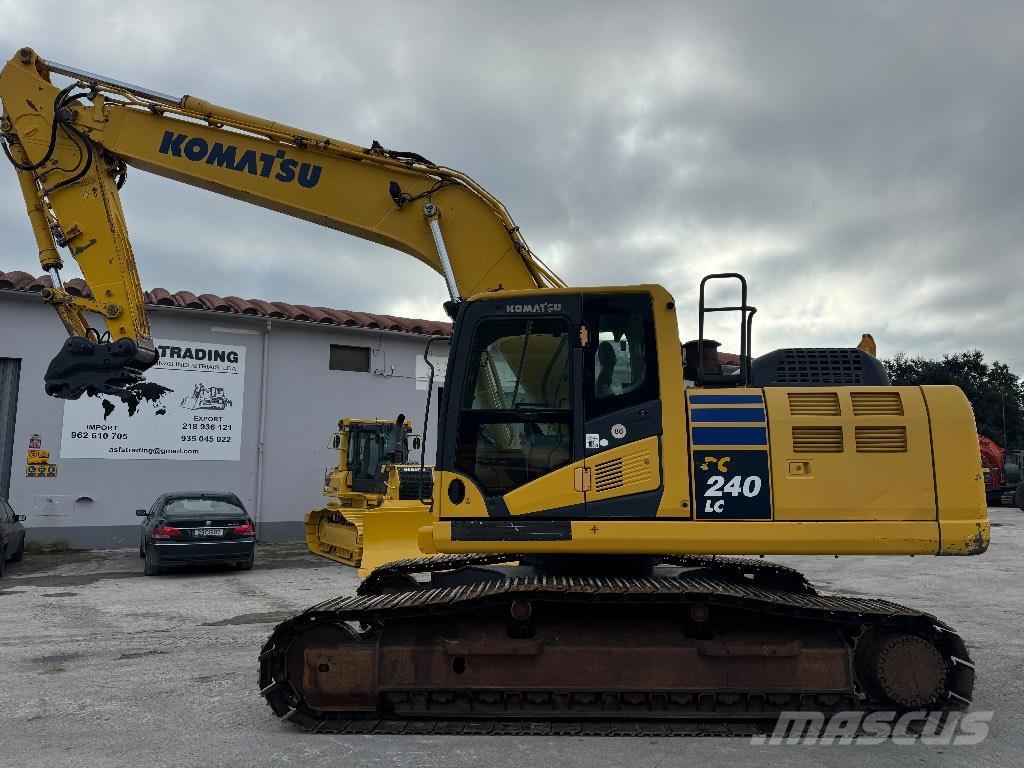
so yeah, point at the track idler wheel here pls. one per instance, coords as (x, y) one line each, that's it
(903, 669)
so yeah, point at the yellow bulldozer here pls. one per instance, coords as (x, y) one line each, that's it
(378, 499)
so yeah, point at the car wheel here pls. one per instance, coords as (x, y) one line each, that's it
(246, 565)
(3, 559)
(1020, 496)
(152, 566)
(19, 552)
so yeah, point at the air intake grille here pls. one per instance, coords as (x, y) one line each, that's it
(820, 366)
(608, 475)
(817, 439)
(881, 439)
(814, 404)
(877, 404)
(409, 482)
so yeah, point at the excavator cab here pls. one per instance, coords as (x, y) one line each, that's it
(535, 388)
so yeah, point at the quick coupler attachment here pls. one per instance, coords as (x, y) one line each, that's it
(86, 367)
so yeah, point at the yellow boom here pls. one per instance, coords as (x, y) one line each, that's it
(71, 147)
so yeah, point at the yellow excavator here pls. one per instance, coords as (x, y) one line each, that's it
(378, 499)
(587, 502)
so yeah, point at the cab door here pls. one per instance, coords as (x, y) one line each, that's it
(514, 410)
(622, 407)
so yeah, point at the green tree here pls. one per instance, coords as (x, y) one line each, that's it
(995, 392)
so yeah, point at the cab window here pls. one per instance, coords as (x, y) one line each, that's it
(365, 458)
(516, 420)
(621, 361)
(520, 364)
(620, 365)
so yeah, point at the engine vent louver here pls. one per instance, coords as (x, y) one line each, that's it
(881, 439)
(411, 483)
(820, 366)
(608, 475)
(877, 403)
(817, 439)
(813, 404)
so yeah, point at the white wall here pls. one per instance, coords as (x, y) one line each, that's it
(91, 502)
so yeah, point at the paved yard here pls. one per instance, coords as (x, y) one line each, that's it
(101, 666)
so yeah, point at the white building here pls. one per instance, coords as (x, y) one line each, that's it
(258, 388)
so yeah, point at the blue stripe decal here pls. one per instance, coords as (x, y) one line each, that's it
(728, 414)
(725, 399)
(730, 436)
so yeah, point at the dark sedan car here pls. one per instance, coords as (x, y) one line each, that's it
(196, 528)
(12, 536)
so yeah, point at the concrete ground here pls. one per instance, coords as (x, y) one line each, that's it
(100, 666)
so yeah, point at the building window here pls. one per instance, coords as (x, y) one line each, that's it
(346, 358)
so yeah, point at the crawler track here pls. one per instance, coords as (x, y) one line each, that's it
(720, 648)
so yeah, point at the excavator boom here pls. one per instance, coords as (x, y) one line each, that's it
(72, 146)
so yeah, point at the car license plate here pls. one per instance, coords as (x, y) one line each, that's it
(200, 532)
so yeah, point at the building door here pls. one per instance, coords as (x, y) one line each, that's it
(10, 374)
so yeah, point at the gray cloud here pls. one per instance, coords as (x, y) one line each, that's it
(858, 161)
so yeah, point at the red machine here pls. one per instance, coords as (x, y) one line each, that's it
(1002, 473)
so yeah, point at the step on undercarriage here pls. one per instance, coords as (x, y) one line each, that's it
(470, 644)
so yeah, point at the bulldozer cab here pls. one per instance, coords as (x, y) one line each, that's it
(372, 447)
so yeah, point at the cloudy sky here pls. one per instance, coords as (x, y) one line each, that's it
(860, 162)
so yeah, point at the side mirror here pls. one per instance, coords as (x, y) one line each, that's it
(412, 442)
(20, 518)
(336, 441)
(141, 513)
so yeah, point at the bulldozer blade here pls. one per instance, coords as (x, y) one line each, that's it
(390, 533)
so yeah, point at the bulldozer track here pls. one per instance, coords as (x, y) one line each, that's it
(599, 713)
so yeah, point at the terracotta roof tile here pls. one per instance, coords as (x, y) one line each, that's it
(78, 287)
(266, 309)
(316, 314)
(209, 302)
(214, 302)
(240, 305)
(13, 281)
(189, 300)
(291, 311)
(39, 283)
(160, 296)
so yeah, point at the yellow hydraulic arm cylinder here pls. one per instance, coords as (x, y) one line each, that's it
(71, 147)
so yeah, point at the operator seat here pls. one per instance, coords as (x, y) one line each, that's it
(606, 360)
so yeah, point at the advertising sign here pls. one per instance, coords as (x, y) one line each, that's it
(198, 418)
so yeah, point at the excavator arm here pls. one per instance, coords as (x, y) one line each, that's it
(71, 148)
